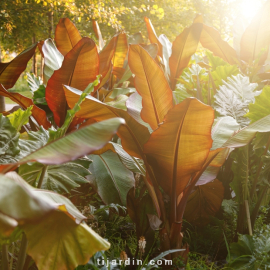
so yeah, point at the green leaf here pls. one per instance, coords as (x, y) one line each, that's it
(122, 91)
(58, 178)
(119, 102)
(261, 107)
(222, 73)
(9, 141)
(110, 177)
(39, 96)
(20, 118)
(53, 59)
(52, 225)
(215, 61)
(180, 93)
(32, 141)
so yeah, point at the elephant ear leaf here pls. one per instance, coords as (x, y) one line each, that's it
(256, 38)
(66, 36)
(184, 46)
(111, 179)
(52, 225)
(151, 84)
(261, 107)
(11, 71)
(203, 202)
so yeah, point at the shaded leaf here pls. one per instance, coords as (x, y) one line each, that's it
(203, 202)
(58, 178)
(111, 179)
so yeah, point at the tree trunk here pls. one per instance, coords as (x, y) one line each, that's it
(2, 99)
(34, 63)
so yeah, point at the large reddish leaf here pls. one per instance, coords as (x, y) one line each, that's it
(211, 40)
(11, 71)
(179, 148)
(80, 67)
(205, 201)
(256, 38)
(153, 36)
(151, 84)
(25, 102)
(184, 46)
(133, 135)
(66, 36)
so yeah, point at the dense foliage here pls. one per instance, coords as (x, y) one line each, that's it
(142, 144)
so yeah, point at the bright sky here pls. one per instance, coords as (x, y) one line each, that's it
(249, 8)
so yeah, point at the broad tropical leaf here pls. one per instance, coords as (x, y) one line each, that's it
(153, 36)
(256, 38)
(80, 67)
(24, 102)
(133, 134)
(111, 179)
(222, 73)
(66, 36)
(184, 46)
(203, 202)
(121, 49)
(51, 224)
(180, 147)
(151, 84)
(211, 40)
(11, 71)
(53, 59)
(261, 107)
